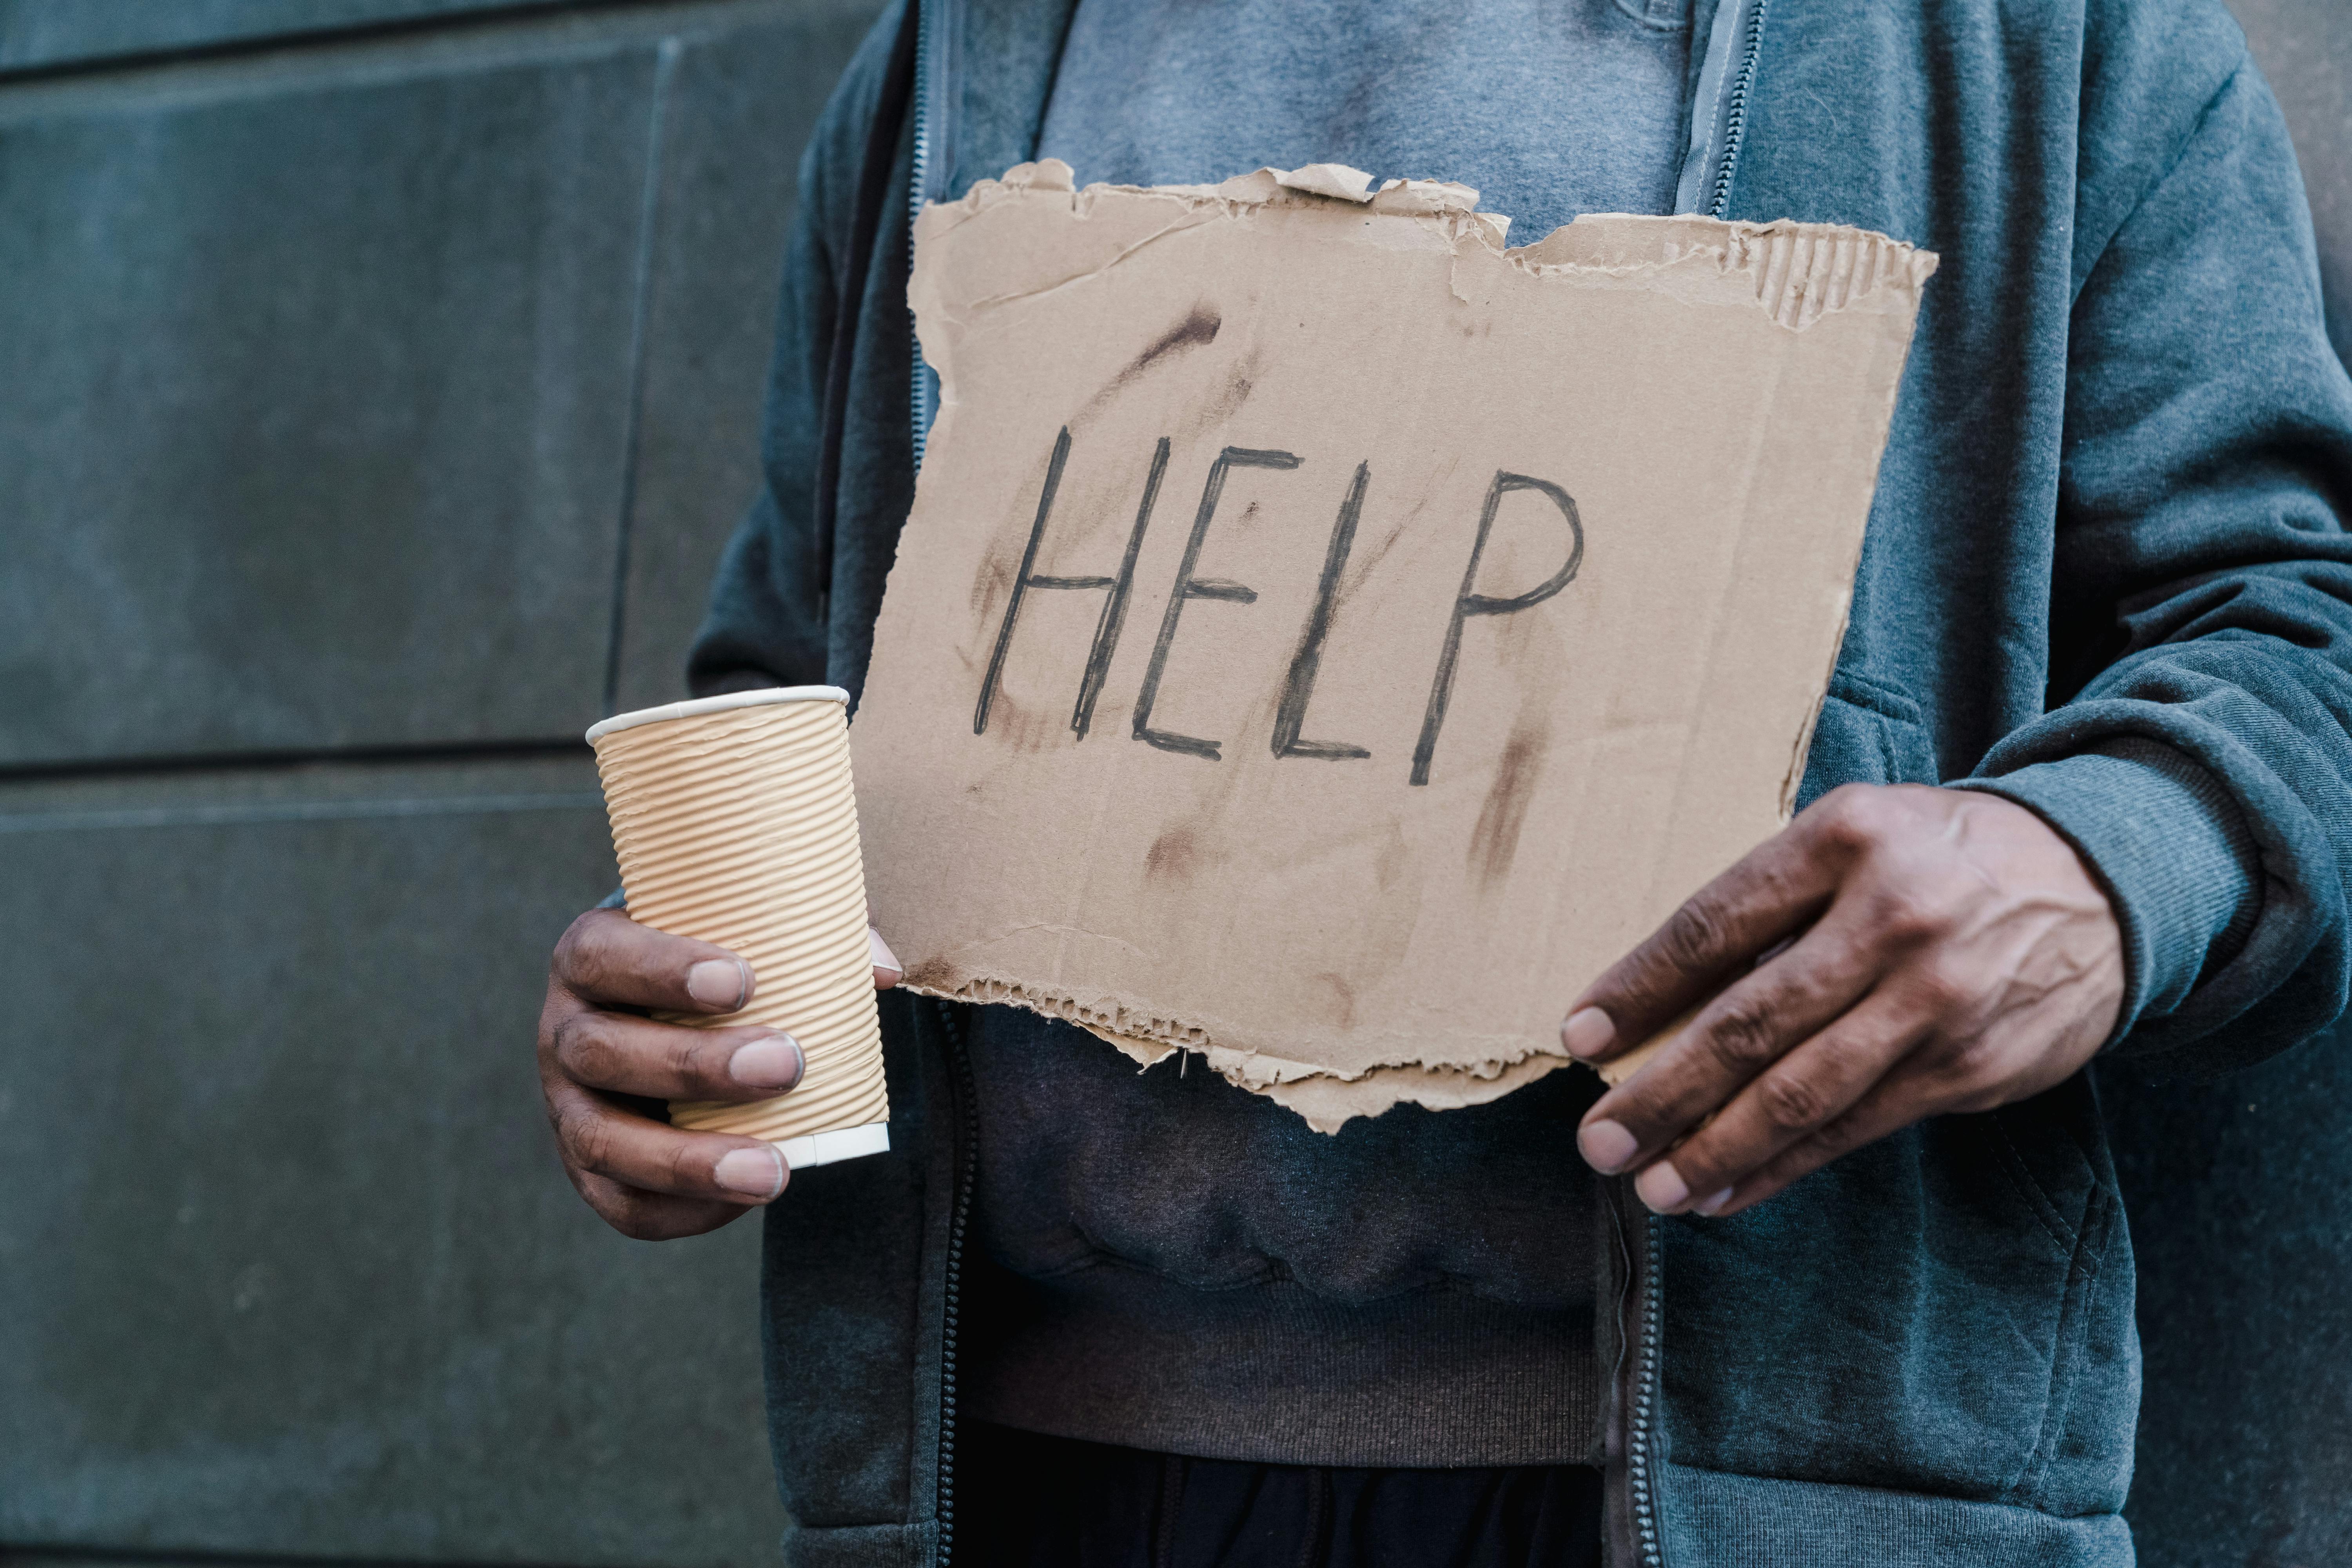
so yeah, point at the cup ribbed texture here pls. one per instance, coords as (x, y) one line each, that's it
(740, 827)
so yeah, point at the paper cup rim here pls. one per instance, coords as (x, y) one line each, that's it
(701, 705)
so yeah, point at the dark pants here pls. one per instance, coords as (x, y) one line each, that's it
(1026, 1501)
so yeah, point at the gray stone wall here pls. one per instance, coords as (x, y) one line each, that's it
(381, 379)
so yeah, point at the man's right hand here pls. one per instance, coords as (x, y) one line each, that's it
(599, 1059)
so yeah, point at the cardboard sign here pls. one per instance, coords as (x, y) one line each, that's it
(1325, 638)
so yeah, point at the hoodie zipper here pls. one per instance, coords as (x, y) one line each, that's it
(931, 22)
(1735, 106)
(967, 1149)
(1713, 198)
(1639, 1482)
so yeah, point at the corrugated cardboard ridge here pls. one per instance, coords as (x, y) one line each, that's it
(1797, 272)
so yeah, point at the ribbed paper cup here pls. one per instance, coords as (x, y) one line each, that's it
(734, 822)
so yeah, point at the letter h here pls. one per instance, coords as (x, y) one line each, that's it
(1114, 611)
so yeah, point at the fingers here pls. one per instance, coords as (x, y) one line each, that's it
(628, 1054)
(1787, 1104)
(1887, 1109)
(1771, 893)
(610, 959)
(651, 1217)
(646, 1178)
(1957, 954)
(888, 970)
(1730, 1041)
(600, 1138)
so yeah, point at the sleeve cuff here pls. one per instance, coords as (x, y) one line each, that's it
(2173, 848)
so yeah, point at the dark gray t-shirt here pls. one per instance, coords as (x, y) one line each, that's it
(1183, 1265)
(1550, 107)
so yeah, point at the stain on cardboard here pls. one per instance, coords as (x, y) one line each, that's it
(1197, 330)
(1343, 997)
(1495, 836)
(989, 588)
(1175, 853)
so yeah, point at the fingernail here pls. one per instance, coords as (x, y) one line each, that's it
(775, 1062)
(883, 957)
(755, 1173)
(1607, 1146)
(1711, 1204)
(1662, 1188)
(721, 982)
(1588, 1032)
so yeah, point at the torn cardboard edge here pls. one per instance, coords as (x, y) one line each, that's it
(1326, 1100)
(1796, 274)
(1799, 271)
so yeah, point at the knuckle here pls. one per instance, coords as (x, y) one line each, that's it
(1968, 1066)
(1852, 816)
(693, 1059)
(687, 1169)
(595, 1052)
(586, 1138)
(1837, 1135)
(1694, 934)
(552, 1018)
(1790, 1102)
(1744, 1036)
(600, 953)
(1703, 1168)
(587, 972)
(1908, 917)
(1944, 991)
(578, 1043)
(572, 950)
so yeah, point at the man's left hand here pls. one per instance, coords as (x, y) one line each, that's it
(1945, 951)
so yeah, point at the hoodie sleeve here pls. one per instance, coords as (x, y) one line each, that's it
(2204, 767)
(765, 623)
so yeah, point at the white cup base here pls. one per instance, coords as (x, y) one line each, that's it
(841, 1143)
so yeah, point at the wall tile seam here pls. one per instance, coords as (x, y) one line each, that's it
(260, 761)
(649, 213)
(69, 1556)
(534, 36)
(244, 813)
(292, 35)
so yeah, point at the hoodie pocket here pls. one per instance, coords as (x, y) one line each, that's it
(1869, 731)
(1944, 1312)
